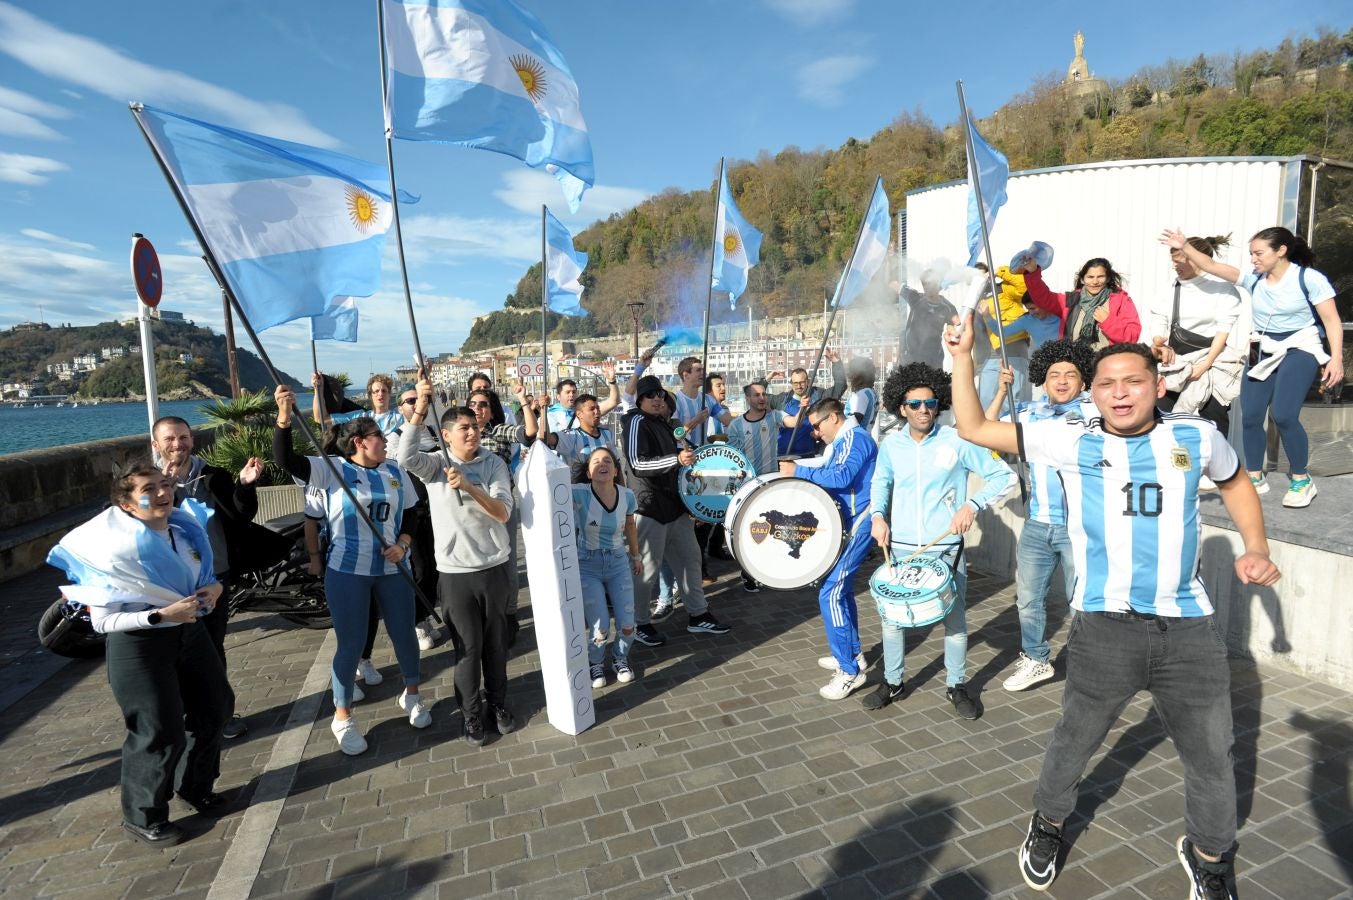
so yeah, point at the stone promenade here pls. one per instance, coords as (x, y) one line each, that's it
(720, 773)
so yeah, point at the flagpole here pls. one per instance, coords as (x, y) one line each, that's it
(399, 239)
(319, 391)
(299, 418)
(827, 331)
(713, 251)
(544, 307)
(991, 275)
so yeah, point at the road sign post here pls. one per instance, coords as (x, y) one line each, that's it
(149, 282)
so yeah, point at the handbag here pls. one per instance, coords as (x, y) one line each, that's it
(1181, 339)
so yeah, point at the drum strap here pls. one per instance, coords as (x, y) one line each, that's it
(951, 553)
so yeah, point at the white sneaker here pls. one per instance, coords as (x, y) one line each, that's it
(830, 664)
(841, 685)
(419, 717)
(1028, 672)
(367, 671)
(1299, 494)
(427, 637)
(350, 739)
(623, 673)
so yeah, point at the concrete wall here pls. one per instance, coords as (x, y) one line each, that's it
(1303, 624)
(45, 493)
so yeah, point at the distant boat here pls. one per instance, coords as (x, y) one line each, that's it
(73, 404)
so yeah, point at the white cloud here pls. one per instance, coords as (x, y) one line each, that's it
(525, 190)
(90, 64)
(74, 95)
(20, 114)
(21, 169)
(822, 82)
(811, 12)
(57, 239)
(443, 239)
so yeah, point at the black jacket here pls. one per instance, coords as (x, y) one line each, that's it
(651, 457)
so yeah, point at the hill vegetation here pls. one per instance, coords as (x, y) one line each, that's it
(25, 355)
(1293, 99)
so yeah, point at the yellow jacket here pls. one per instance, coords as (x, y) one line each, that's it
(1011, 300)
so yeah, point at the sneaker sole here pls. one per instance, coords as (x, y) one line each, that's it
(1018, 686)
(690, 629)
(1024, 872)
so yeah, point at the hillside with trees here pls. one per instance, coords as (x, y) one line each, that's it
(1294, 99)
(25, 354)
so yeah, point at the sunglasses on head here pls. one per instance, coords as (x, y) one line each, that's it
(929, 403)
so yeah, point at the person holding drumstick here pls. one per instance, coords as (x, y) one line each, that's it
(845, 474)
(1131, 479)
(919, 498)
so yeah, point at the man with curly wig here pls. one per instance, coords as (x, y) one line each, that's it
(920, 494)
(1062, 368)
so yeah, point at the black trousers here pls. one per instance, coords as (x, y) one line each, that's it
(1217, 413)
(175, 700)
(475, 603)
(215, 622)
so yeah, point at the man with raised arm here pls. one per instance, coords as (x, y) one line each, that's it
(1144, 620)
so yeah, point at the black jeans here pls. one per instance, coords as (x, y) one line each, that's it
(175, 700)
(475, 603)
(1182, 663)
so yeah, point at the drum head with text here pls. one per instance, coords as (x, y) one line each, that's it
(917, 592)
(785, 532)
(708, 484)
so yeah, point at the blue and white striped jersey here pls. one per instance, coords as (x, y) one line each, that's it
(863, 403)
(759, 440)
(385, 491)
(388, 421)
(561, 417)
(1132, 509)
(575, 445)
(600, 528)
(1047, 503)
(688, 407)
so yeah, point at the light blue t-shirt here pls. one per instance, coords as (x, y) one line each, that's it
(1281, 308)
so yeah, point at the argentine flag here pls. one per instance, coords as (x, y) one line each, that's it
(989, 169)
(563, 266)
(339, 322)
(871, 249)
(292, 227)
(737, 245)
(484, 74)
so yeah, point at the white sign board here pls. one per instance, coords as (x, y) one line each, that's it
(530, 365)
(556, 589)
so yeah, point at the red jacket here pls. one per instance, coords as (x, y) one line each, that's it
(1122, 325)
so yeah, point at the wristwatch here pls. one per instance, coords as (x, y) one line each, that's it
(154, 618)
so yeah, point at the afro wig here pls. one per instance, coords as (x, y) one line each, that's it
(1082, 356)
(904, 379)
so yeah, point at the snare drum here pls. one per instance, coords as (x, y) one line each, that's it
(784, 532)
(708, 484)
(917, 592)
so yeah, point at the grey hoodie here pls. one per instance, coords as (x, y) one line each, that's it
(467, 538)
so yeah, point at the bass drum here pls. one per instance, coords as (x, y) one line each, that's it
(784, 532)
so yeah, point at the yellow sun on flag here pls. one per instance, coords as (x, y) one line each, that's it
(362, 209)
(532, 75)
(732, 244)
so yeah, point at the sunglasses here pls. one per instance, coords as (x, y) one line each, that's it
(408, 400)
(651, 394)
(479, 404)
(372, 434)
(930, 404)
(814, 427)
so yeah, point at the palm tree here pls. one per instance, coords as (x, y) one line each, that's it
(244, 428)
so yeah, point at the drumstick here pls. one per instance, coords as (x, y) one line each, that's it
(926, 547)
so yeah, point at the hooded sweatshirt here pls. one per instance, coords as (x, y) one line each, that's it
(467, 538)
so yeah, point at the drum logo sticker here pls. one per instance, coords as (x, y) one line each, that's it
(794, 529)
(1181, 460)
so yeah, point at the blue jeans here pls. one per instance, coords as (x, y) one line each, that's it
(607, 572)
(955, 638)
(350, 598)
(1280, 395)
(1182, 663)
(666, 583)
(1041, 547)
(989, 377)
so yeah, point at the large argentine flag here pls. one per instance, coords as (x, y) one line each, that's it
(737, 245)
(870, 250)
(563, 266)
(339, 322)
(292, 226)
(989, 169)
(484, 74)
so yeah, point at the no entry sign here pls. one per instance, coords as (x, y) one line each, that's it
(146, 271)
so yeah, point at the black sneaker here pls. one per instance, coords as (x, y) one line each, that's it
(503, 718)
(1038, 854)
(1207, 880)
(660, 610)
(474, 731)
(884, 694)
(706, 624)
(649, 636)
(751, 585)
(209, 804)
(161, 834)
(963, 705)
(234, 728)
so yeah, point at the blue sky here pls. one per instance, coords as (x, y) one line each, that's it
(667, 88)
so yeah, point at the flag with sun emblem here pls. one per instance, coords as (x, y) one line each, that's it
(563, 266)
(737, 245)
(871, 248)
(292, 227)
(485, 75)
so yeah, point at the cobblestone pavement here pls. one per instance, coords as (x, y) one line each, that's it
(719, 773)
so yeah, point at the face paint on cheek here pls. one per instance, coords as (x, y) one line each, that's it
(143, 502)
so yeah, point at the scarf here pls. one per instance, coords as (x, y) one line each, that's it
(1087, 329)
